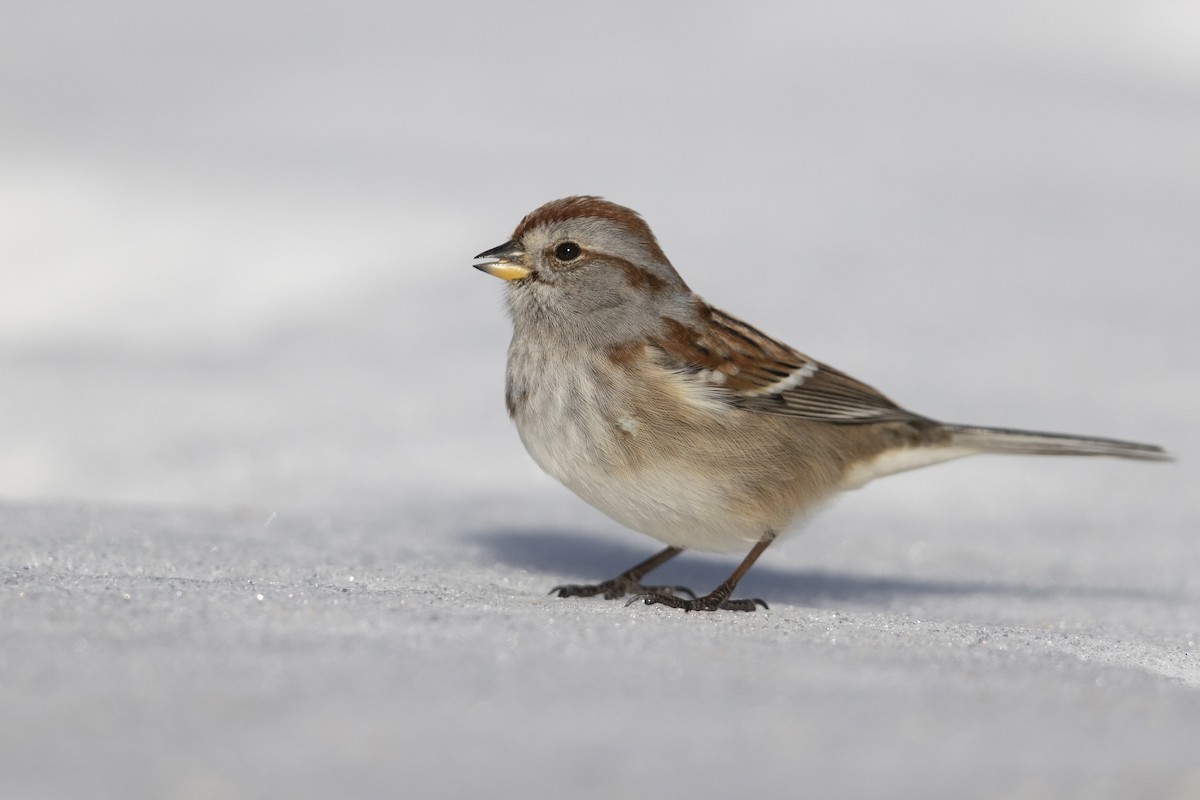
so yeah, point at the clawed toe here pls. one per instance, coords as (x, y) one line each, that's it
(611, 590)
(630, 582)
(709, 602)
(586, 590)
(669, 591)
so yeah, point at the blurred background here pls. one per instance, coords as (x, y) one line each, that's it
(236, 237)
(267, 530)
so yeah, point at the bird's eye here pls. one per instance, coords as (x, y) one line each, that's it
(567, 251)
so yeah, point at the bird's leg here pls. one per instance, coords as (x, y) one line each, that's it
(628, 582)
(717, 599)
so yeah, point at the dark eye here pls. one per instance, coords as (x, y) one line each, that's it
(567, 251)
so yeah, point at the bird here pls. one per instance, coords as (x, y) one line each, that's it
(685, 423)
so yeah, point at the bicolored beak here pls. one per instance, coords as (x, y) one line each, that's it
(504, 262)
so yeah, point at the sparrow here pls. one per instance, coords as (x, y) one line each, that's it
(685, 423)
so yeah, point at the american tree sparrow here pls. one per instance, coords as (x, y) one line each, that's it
(683, 422)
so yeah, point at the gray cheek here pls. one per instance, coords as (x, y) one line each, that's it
(593, 305)
(602, 298)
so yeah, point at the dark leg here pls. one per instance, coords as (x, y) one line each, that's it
(628, 582)
(718, 598)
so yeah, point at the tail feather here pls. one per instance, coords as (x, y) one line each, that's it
(1005, 440)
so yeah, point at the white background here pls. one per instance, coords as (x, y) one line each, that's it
(265, 529)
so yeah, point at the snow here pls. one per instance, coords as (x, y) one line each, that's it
(413, 651)
(265, 529)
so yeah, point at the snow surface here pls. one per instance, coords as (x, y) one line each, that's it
(265, 530)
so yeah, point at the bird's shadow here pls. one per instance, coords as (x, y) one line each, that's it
(571, 556)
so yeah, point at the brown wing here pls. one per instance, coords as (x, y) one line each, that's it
(764, 375)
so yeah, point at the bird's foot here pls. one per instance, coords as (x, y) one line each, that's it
(716, 601)
(619, 587)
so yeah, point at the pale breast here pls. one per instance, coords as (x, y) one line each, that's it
(647, 451)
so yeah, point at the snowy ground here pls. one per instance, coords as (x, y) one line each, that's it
(266, 532)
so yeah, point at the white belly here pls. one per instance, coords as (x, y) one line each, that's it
(581, 438)
(670, 504)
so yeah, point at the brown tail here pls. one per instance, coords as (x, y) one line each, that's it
(1004, 440)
